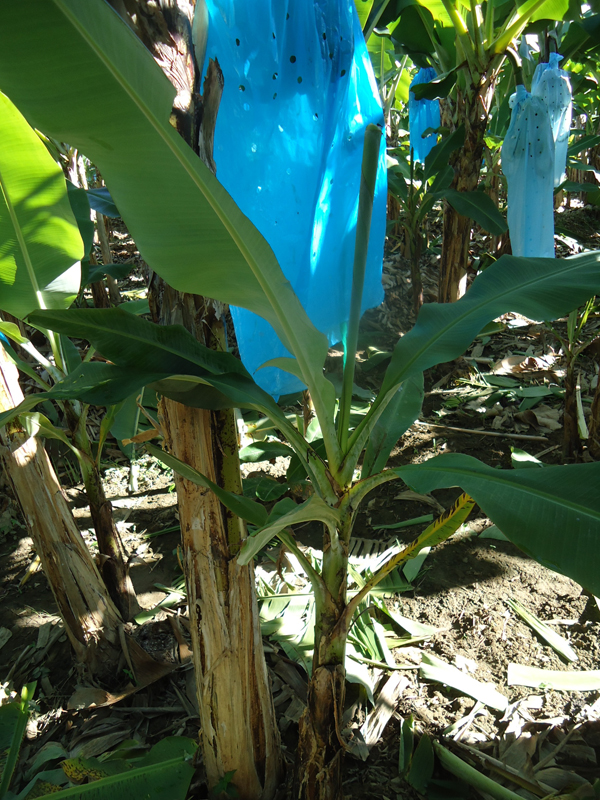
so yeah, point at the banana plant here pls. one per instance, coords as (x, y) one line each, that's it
(417, 188)
(466, 42)
(191, 232)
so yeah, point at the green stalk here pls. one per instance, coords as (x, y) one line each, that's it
(505, 38)
(363, 227)
(515, 63)
(472, 776)
(462, 33)
(368, 31)
(475, 13)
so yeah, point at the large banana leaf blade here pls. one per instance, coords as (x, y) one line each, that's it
(40, 245)
(538, 288)
(552, 514)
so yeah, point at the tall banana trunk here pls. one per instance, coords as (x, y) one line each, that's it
(89, 616)
(239, 731)
(470, 108)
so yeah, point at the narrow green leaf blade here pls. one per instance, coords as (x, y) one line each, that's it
(477, 206)
(434, 669)
(312, 509)
(242, 506)
(548, 634)
(567, 681)
(538, 288)
(397, 418)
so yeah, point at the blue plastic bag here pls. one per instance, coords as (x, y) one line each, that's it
(528, 163)
(422, 114)
(552, 84)
(299, 93)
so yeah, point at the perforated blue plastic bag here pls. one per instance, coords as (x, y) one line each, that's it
(422, 114)
(552, 84)
(528, 162)
(299, 93)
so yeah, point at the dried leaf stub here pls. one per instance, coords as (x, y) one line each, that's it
(541, 417)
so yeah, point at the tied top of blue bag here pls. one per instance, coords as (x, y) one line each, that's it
(552, 85)
(422, 114)
(527, 162)
(299, 93)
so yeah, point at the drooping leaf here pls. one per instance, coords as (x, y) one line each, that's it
(479, 207)
(100, 200)
(39, 425)
(312, 509)
(535, 287)
(242, 506)
(440, 154)
(532, 507)
(438, 88)
(117, 271)
(397, 418)
(81, 211)
(40, 245)
(264, 451)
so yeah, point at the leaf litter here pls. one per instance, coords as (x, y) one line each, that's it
(449, 614)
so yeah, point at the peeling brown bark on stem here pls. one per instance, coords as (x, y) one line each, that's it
(236, 710)
(113, 558)
(90, 618)
(320, 747)
(572, 445)
(114, 567)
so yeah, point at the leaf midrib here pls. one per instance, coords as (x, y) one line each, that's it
(501, 479)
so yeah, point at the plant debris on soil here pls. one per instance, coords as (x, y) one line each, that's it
(501, 402)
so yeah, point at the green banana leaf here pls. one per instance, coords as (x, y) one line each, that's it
(312, 509)
(67, 70)
(552, 514)
(167, 780)
(13, 722)
(397, 418)
(538, 288)
(40, 245)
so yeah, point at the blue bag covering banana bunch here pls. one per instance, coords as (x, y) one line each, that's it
(422, 114)
(299, 93)
(552, 85)
(528, 164)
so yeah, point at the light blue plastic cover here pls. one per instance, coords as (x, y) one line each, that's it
(528, 163)
(422, 114)
(299, 93)
(552, 84)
